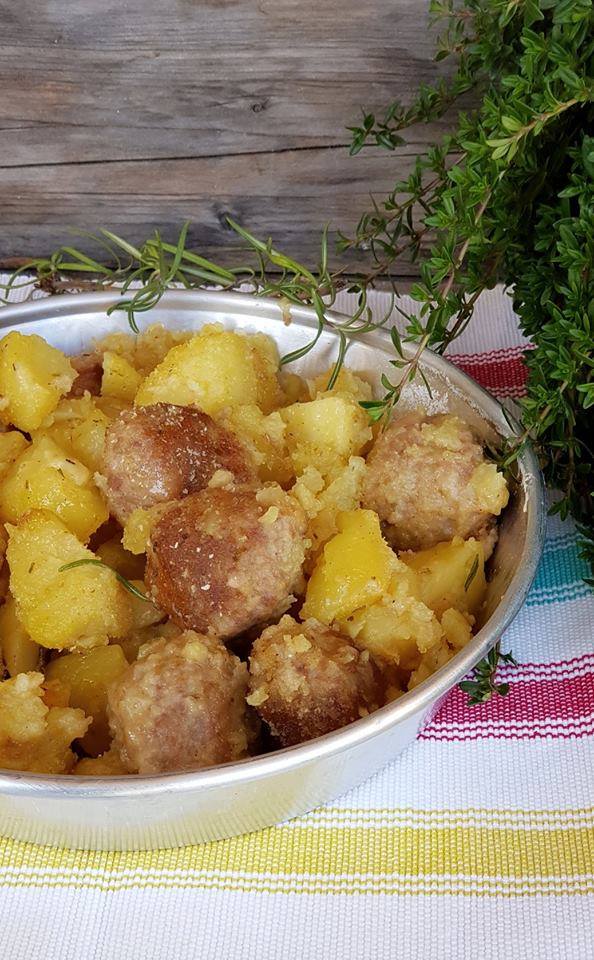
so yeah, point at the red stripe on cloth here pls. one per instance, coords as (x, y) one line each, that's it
(521, 733)
(502, 372)
(555, 707)
(556, 668)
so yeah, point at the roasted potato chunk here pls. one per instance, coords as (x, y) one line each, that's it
(44, 477)
(33, 377)
(34, 736)
(354, 569)
(62, 609)
(216, 369)
(12, 444)
(120, 379)
(450, 575)
(78, 427)
(325, 432)
(19, 652)
(88, 676)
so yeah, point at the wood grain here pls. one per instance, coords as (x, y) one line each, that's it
(142, 114)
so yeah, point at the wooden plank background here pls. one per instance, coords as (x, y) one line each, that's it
(132, 114)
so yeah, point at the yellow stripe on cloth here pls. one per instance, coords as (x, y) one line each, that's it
(354, 859)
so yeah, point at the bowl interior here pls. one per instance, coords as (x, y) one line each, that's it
(73, 322)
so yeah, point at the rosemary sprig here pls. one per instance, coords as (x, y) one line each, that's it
(92, 561)
(484, 685)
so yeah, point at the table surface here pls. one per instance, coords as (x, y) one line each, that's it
(142, 114)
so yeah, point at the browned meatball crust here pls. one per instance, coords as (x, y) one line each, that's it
(181, 706)
(421, 480)
(163, 452)
(89, 369)
(225, 559)
(306, 680)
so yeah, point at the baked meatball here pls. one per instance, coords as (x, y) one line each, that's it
(227, 558)
(163, 452)
(428, 480)
(306, 680)
(181, 706)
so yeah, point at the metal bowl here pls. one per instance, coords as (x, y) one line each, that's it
(139, 812)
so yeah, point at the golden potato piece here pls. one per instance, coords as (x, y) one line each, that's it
(396, 629)
(33, 377)
(264, 437)
(306, 680)
(109, 764)
(87, 676)
(226, 559)
(78, 427)
(119, 379)
(162, 452)
(429, 482)
(353, 570)
(34, 737)
(19, 652)
(114, 555)
(44, 477)
(215, 369)
(325, 432)
(181, 706)
(12, 444)
(324, 499)
(450, 575)
(76, 608)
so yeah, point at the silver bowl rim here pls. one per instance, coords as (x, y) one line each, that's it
(14, 783)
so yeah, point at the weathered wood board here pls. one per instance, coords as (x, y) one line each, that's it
(138, 114)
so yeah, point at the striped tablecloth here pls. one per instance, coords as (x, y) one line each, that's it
(478, 842)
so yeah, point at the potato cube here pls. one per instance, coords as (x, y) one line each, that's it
(450, 575)
(111, 407)
(115, 556)
(120, 379)
(323, 501)
(490, 488)
(78, 427)
(348, 383)
(77, 608)
(34, 736)
(139, 524)
(264, 436)
(33, 377)
(109, 764)
(45, 477)
(457, 628)
(325, 431)
(397, 629)
(216, 369)
(12, 444)
(19, 652)
(88, 676)
(354, 569)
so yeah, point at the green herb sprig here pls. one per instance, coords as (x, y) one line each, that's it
(484, 685)
(92, 561)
